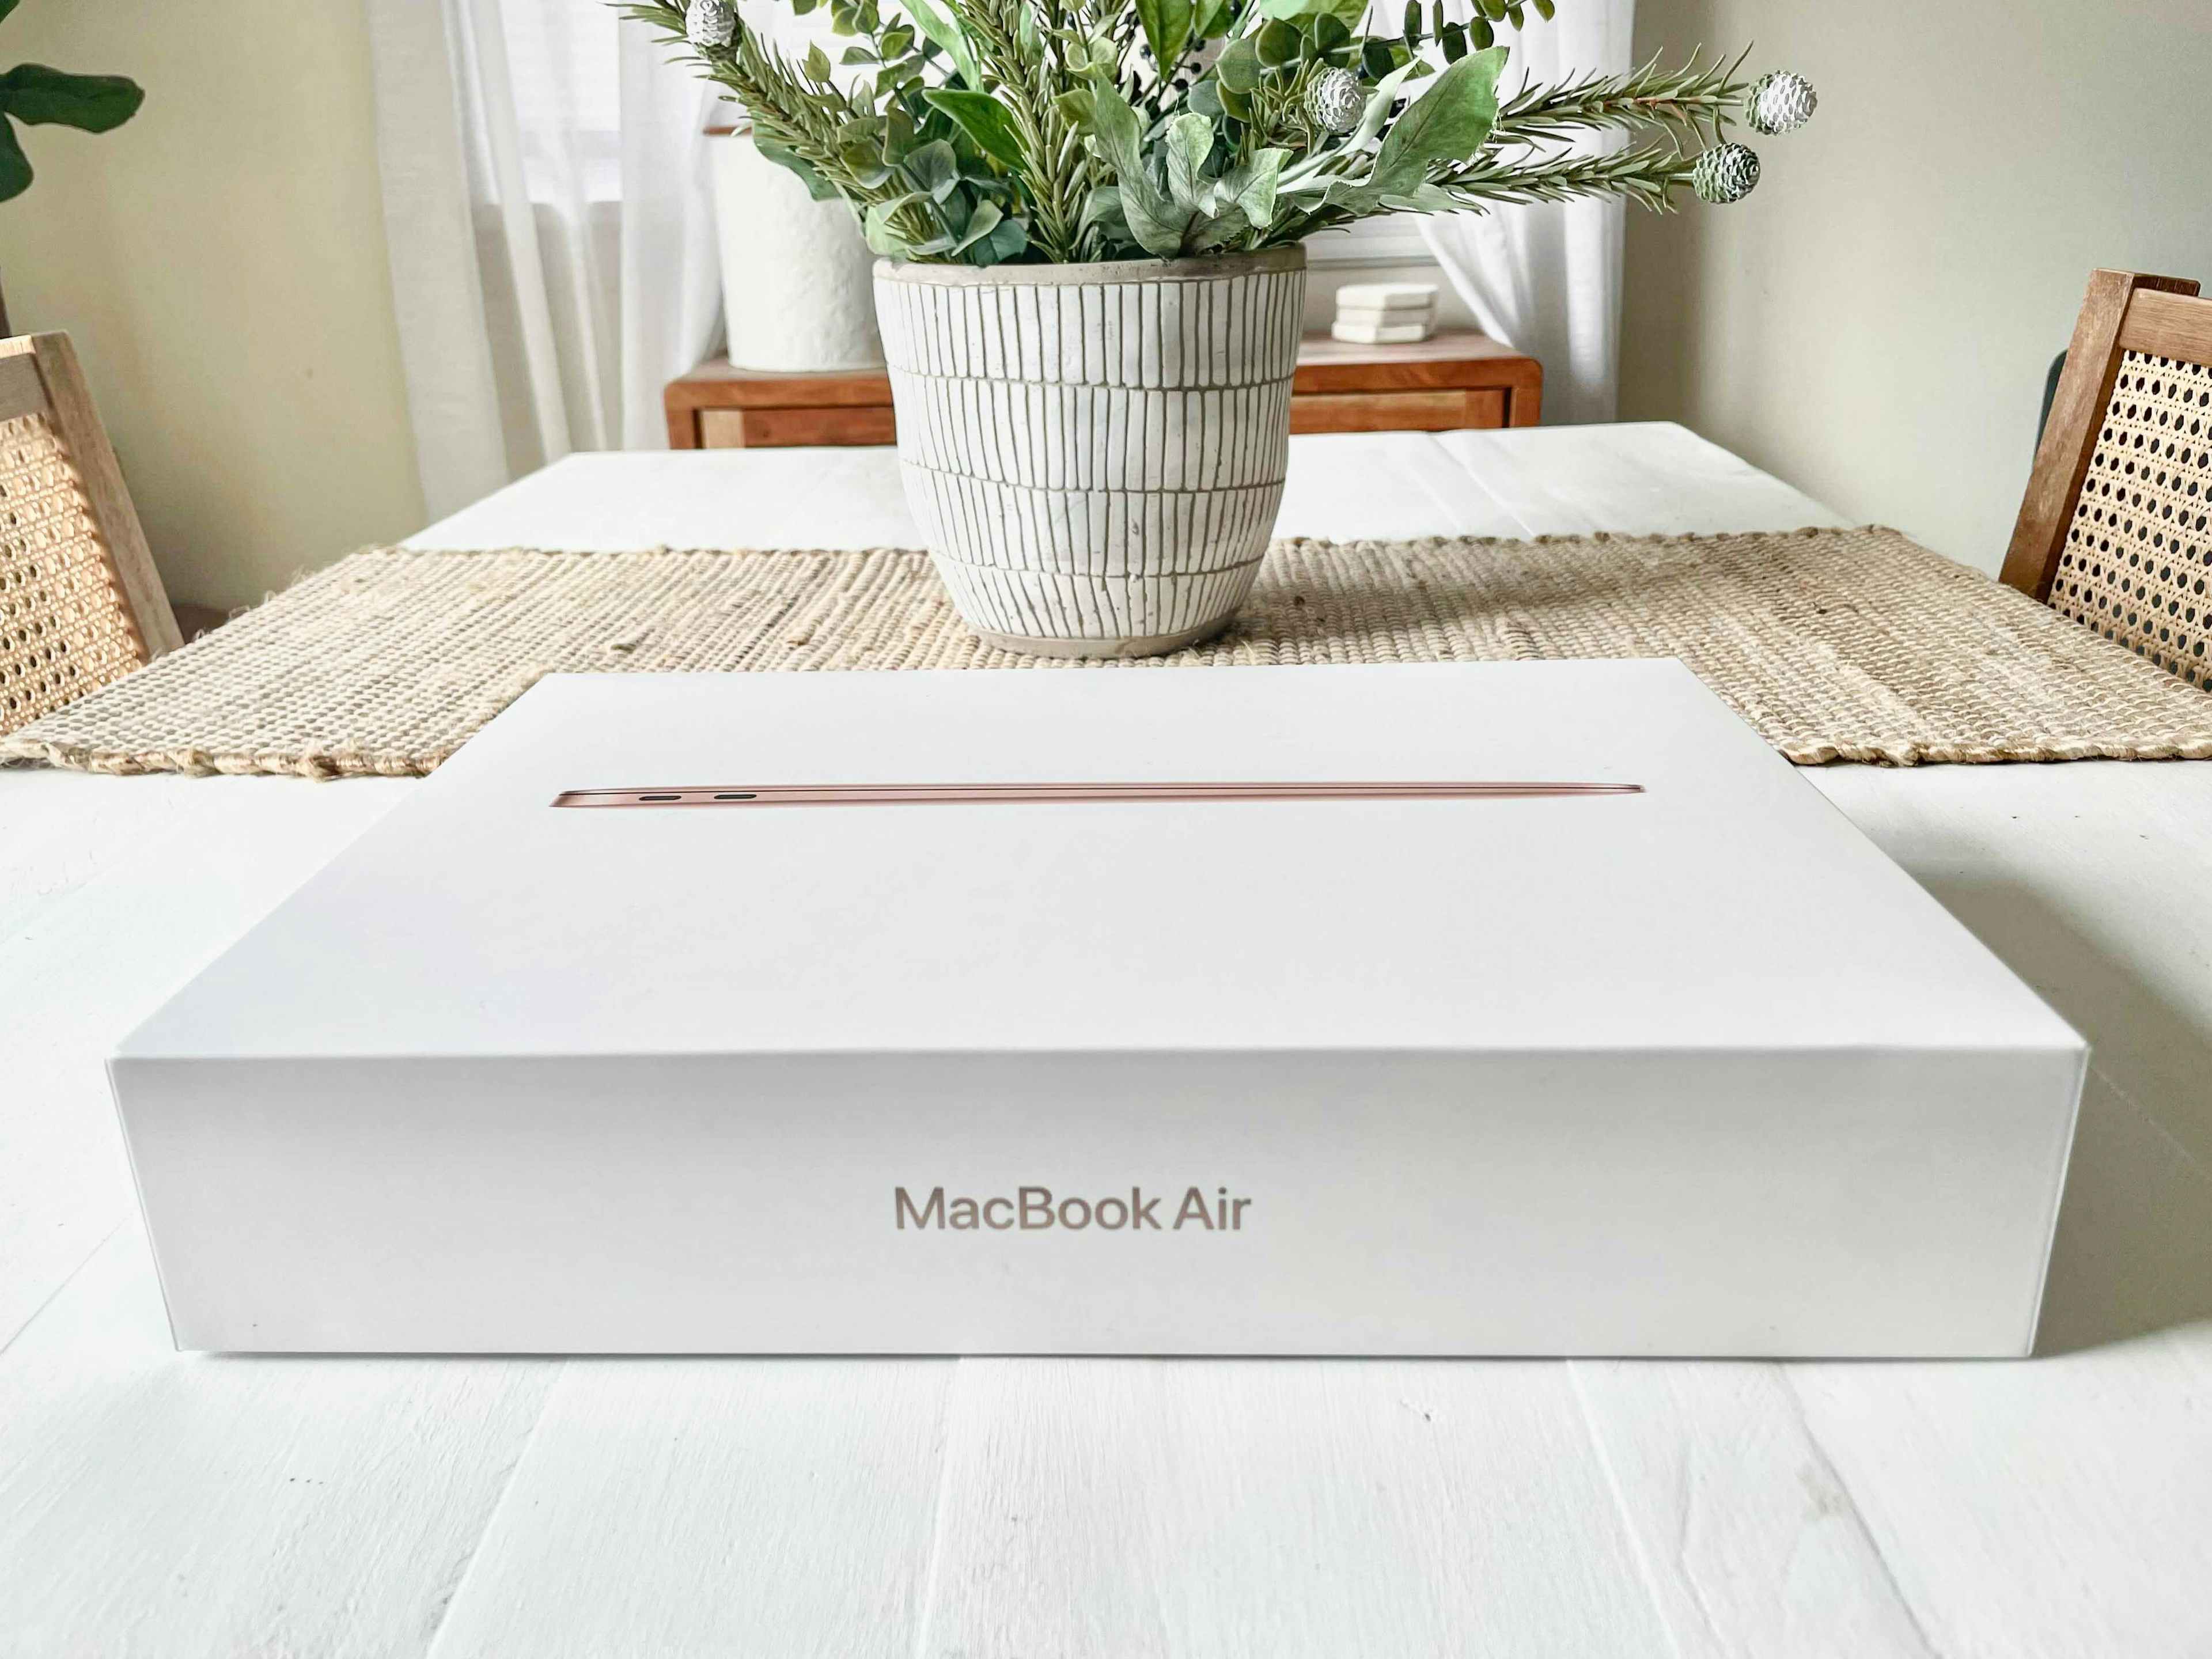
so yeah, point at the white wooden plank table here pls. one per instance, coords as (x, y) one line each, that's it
(159, 1504)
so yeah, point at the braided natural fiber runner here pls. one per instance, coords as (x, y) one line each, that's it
(1835, 644)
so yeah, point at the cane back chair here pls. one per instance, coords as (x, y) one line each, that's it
(2113, 529)
(80, 602)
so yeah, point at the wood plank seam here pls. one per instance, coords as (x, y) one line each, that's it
(1445, 457)
(1833, 1471)
(55, 1295)
(499, 1508)
(2188, 1158)
(926, 1615)
(1644, 1572)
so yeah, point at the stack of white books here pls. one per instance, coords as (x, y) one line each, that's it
(1385, 313)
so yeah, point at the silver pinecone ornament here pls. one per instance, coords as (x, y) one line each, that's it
(1780, 102)
(710, 25)
(1335, 100)
(1725, 174)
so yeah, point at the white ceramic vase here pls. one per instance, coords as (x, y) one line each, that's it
(795, 271)
(1094, 451)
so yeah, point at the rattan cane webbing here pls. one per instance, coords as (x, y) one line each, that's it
(1834, 644)
(2138, 559)
(65, 628)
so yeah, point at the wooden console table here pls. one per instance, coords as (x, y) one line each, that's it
(1459, 379)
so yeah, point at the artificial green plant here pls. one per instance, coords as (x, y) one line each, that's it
(981, 131)
(36, 95)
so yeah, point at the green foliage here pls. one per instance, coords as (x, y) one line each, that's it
(38, 96)
(978, 131)
(35, 95)
(1167, 25)
(943, 30)
(984, 120)
(1445, 125)
(14, 166)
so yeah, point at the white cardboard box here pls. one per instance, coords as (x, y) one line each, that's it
(1692, 1071)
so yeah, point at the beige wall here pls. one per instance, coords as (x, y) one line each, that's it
(221, 263)
(1875, 322)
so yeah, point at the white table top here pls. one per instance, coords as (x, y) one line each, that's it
(164, 1504)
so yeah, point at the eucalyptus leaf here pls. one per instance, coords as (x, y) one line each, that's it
(1276, 43)
(1255, 184)
(1376, 110)
(817, 186)
(981, 224)
(35, 95)
(1423, 198)
(1238, 68)
(1209, 233)
(983, 118)
(1156, 224)
(1189, 142)
(1166, 24)
(942, 27)
(1349, 11)
(1205, 99)
(1450, 122)
(934, 168)
(882, 237)
(1103, 209)
(1007, 240)
(1078, 107)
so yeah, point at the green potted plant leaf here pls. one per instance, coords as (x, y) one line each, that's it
(1090, 215)
(36, 96)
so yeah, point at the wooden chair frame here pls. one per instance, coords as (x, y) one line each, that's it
(2124, 311)
(39, 374)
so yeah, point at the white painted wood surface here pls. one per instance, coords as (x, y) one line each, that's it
(154, 1504)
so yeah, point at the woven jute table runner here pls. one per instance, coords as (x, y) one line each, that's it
(1837, 645)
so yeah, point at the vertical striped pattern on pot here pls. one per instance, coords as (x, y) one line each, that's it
(1095, 453)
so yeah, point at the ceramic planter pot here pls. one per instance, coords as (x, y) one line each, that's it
(1096, 452)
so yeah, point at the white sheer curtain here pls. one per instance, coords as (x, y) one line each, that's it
(1546, 280)
(551, 230)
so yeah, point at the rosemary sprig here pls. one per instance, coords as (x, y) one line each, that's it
(803, 115)
(1648, 175)
(1056, 177)
(1692, 105)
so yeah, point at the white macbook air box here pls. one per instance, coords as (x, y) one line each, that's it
(1689, 1070)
